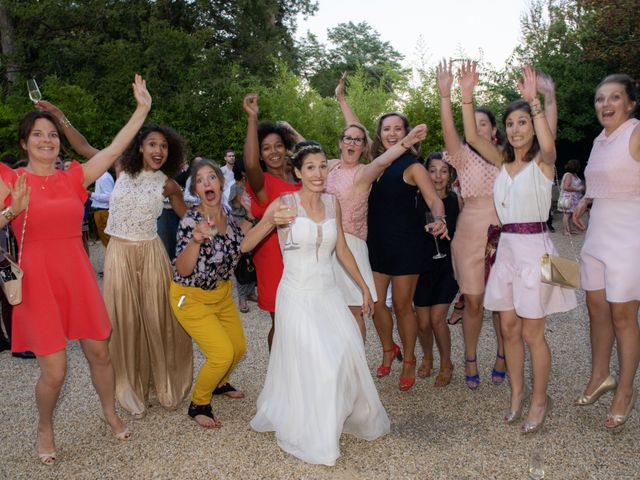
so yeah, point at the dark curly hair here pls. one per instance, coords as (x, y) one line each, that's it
(509, 153)
(132, 158)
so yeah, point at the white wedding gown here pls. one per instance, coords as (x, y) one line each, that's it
(318, 383)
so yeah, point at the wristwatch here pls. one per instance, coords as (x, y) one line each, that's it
(8, 214)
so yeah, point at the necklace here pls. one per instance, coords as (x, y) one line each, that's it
(43, 186)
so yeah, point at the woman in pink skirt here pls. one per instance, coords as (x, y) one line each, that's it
(522, 197)
(611, 251)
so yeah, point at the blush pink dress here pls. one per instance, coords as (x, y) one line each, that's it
(611, 252)
(468, 246)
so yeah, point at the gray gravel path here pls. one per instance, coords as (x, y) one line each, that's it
(446, 433)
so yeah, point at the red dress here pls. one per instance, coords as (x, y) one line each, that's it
(267, 256)
(61, 299)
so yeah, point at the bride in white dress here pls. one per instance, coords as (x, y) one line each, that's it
(318, 383)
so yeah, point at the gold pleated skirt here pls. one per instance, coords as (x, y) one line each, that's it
(149, 348)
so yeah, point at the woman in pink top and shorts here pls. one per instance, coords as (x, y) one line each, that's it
(350, 181)
(611, 251)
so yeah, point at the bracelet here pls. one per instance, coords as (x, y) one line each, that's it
(470, 102)
(64, 121)
(403, 145)
(8, 214)
(536, 110)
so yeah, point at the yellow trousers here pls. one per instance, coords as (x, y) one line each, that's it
(211, 318)
(100, 217)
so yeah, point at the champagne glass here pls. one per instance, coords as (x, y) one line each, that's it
(34, 91)
(212, 227)
(289, 201)
(430, 224)
(536, 465)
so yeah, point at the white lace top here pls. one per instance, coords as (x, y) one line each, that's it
(135, 205)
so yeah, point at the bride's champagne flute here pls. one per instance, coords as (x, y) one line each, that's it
(212, 226)
(430, 223)
(289, 201)
(34, 91)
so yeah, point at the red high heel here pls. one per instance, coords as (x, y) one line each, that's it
(384, 370)
(407, 382)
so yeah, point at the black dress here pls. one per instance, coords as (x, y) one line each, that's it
(396, 240)
(437, 285)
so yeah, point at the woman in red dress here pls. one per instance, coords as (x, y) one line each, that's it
(61, 297)
(266, 144)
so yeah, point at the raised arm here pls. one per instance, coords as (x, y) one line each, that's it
(548, 89)
(103, 160)
(468, 79)
(444, 78)
(295, 134)
(371, 171)
(349, 115)
(528, 89)
(78, 142)
(255, 175)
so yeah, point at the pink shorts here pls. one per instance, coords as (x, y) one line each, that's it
(610, 257)
(514, 282)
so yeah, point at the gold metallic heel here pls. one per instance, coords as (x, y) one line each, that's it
(614, 423)
(606, 386)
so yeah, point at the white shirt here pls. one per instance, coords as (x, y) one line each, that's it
(104, 187)
(228, 181)
(525, 198)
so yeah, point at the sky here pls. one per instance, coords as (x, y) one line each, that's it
(445, 26)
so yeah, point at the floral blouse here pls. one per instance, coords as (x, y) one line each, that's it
(217, 258)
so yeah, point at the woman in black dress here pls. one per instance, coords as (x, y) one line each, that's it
(397, 241)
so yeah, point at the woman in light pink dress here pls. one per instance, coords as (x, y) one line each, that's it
(611, 251)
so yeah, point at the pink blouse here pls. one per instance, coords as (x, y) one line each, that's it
(354, 204)
(611, 171)
(476, 175)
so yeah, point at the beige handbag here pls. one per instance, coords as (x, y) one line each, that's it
(10, 272)
(556, 270)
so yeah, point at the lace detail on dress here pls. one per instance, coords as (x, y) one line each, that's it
(135, 205)
(476, 175)
(354, 204)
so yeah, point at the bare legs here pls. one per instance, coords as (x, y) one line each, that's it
(53, 369)
(357, 314)
(516, 332)
(566, 223)
(432, 321)
(609, 321)
(402, 288)
(103, 379)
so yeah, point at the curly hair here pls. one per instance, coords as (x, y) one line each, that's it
(132, 162)
(509, 153)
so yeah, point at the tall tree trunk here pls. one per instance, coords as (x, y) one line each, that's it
(8, 44)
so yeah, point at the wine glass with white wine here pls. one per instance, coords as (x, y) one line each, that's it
(289, 201)
(34, 91)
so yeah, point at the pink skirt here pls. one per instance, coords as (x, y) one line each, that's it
(611, 252)
(514, 282)
(470, 242)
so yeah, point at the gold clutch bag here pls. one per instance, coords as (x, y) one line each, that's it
(560, 271)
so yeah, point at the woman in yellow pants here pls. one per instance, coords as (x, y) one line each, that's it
(207, 250)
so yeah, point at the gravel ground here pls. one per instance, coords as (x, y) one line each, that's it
(436, 433)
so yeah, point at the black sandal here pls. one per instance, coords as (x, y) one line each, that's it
(195, 410)
(226, 388)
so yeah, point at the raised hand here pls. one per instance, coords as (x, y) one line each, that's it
(341, 86)
(444, 78)
(250, 104)
(19, 194)
(417, 134)
(140, 92)
(48, 107)
(467, 79)
(528, 84)
(545, 84)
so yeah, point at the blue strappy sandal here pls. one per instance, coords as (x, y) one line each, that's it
(498, 374)
(472, 381)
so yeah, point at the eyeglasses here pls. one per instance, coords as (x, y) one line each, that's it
(358, 141)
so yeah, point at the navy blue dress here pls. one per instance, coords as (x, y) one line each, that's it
(396, 240)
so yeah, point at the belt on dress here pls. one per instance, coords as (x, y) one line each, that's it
(529, 227)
